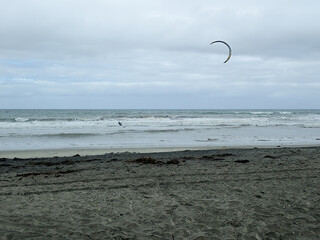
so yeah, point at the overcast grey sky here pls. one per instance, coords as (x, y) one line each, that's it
(157, 54)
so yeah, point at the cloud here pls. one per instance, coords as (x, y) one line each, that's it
(118, 50)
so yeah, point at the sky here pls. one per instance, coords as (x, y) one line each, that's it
(156, 54)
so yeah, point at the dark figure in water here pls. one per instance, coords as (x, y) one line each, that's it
(120, 123)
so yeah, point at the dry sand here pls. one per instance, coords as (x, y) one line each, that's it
(265, 193)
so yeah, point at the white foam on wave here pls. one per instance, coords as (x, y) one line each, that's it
(21, 119)
(69, 129)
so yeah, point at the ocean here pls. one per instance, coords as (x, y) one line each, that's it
(100, 129)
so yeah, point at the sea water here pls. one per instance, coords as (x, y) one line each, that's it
(99, 129)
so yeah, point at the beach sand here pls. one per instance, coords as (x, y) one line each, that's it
(233, 193)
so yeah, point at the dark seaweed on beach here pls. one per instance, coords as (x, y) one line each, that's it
(5, 165)
(146, 160)
(212, 157)
(217, 156)
(269, 156)
(48, 164)
(150, 160)
(225, 155)
(173, 161)
(242, 161)
(32, 174)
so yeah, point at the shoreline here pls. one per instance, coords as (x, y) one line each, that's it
(48, 153)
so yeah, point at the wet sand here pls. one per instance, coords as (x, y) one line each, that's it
(233, 193)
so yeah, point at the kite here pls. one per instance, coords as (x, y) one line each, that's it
(227, 46)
